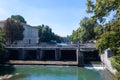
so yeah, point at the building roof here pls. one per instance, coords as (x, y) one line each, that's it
(29, 26)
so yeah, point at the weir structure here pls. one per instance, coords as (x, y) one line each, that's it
(52, 55)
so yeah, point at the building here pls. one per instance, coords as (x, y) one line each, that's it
(2, 24)
(30, 35)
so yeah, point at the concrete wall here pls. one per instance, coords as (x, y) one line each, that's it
(106, 61)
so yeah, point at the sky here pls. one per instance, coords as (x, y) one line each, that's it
(63, 16)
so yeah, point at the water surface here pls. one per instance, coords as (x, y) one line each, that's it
(56, 73)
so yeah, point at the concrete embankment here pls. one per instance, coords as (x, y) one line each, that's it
(44, 62)
(106, 62)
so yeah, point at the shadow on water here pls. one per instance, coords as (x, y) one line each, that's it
(6, 69)
(9, 70)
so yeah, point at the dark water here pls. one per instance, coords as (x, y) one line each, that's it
(55, 73)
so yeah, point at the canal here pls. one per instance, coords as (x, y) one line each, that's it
(55, 73)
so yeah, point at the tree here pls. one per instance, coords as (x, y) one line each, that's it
(103, 8)
(44, 31)
(98, 30)
(18, 18)
(86, 30)
(2, 47)
(88, 25)
(74, 36)
(110, 37)
(46, 34)
(13, 30)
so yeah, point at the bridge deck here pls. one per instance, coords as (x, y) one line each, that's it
(88, 45)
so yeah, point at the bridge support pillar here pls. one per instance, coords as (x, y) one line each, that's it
(77, 55)
(57, 54)
(41, 54)
(22, 54)
(38, 54)
(80, 59)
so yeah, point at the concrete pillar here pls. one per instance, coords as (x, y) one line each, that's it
(80, 59)
(57, 54)
(77, 55)
(38, 54)
(22, 54)
(41, 54)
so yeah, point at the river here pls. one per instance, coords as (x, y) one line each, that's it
(56, 73)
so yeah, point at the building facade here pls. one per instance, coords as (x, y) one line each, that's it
(2, 24)
(30, 36)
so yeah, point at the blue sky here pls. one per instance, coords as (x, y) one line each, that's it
(63, 16)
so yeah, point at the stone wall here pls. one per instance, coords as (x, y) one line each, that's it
(105, 58)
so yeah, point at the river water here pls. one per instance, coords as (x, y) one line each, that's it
(56, 73)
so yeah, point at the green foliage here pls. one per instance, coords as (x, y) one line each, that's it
(86, 30)
(46, 34)
(103, 8)
(111, 31)
(75, 35)
(115, 61)
(44, 31)
(108, 40)
(13, 30)
(2, 47)
(18, 18)
(98, 31)
(88, 25)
